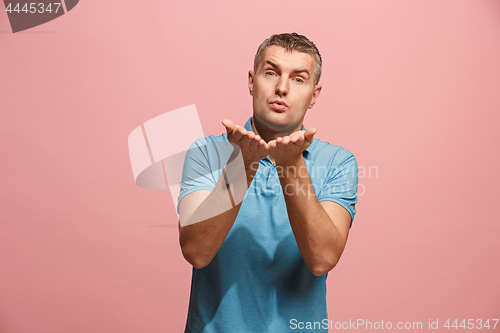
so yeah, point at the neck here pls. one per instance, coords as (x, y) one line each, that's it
(268, 135)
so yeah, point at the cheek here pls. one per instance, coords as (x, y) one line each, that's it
(259, 93)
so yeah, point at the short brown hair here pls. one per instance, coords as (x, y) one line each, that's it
(291, 42)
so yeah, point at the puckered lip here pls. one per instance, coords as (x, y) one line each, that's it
(278, 102)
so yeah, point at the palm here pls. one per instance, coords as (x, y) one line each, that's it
(252, 146)
(288, 149)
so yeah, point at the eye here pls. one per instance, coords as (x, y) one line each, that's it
(270, 73)
(298, 80)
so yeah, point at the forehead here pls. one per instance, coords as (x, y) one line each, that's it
(288, 59)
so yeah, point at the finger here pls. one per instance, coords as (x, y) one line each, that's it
(229, 125)
(264, 145)
(242, 130)
(294, 137)
(285, 140)
(251, 135)
(245, 139)
(272, 144)
(238, 133)
(309, 134)
(253, 143)
(257, 138)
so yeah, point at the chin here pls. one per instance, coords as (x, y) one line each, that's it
(276, 120)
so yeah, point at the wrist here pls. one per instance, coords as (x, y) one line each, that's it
(291, 169)
(291, 163)
(251, 170)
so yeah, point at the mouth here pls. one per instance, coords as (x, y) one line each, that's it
(278, 105)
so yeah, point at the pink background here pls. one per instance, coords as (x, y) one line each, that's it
(410, 87)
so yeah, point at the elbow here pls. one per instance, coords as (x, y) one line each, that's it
(198, 263)
(319, 271)
(195, 252)
(324, 267)
(196, 258)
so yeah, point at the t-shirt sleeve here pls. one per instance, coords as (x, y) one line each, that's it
(197, 171)
(342, 182)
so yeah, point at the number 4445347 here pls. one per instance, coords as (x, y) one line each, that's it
(33, 8)
(472, 324)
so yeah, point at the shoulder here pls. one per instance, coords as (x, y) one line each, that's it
(323, 152)
(214, 150)
(211, 144)
(207, 140)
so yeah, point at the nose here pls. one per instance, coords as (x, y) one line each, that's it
(282, 86)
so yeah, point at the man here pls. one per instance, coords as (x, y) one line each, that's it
(261, 244)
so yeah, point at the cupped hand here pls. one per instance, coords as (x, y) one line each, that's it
(253, 147)
(287, 150)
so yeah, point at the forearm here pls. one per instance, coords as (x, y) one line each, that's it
(201, 241)
(319, 241)
(203, 232)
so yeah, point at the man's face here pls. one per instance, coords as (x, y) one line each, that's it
(283, 89)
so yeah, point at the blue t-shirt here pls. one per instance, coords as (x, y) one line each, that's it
(258, 280)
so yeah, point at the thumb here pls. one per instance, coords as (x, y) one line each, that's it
(309, 134)
(229, 125)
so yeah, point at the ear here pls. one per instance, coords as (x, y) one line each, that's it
(317, 90)
(250, 82)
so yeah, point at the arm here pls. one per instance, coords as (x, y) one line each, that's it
(320, 229)
(205, 218)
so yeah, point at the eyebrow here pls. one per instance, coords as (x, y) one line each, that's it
(297, 71)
